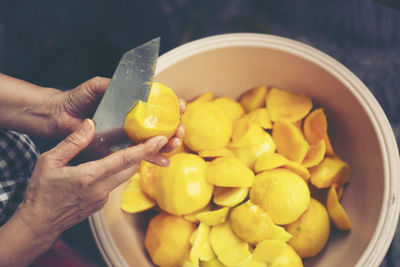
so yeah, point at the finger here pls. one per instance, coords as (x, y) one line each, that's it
(180, 131)
(111, 182)
(172, 144)
(74, 143)
(159, 160)
(128, 157)
(97, 85)
(182, 106)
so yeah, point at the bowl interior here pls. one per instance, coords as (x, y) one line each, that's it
(231, 70)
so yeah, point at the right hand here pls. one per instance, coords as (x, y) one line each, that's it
(59, 196)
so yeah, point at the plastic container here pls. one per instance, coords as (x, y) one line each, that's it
(230, 64)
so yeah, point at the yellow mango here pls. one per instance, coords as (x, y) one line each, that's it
(315, 154)
(207, 127)
(201, 246)
(260, 117)
(249, 154)
(230, 249)
(189, 264)
(216, 153)
(133, 198)
(181, 187)
(245, 133)
(163, 230)
(252, 224)
(213, 217)
(287, 106)
(289, 141)
(276, 253)
(232, 108)
(229, 172)
(148, 175)
(269, 161)
(229, 196)
(205, 97)
(212, 263)
(192, 217)
(254, 98)
(331, 171)
(311, 231)
(315, 128)
(336, 212)
(297, 168)
(158, 116)
(282, 194)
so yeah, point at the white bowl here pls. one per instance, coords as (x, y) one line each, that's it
(230, 64)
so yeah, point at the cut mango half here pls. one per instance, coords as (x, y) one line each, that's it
(158, 116)
(213, 217)
(336, 212)
(254, 98)
(289, 141)
(315, 128)
(133, 198)
(287, 106)
(331, 171)
(260, 117)
(232, 108)
(229, 196)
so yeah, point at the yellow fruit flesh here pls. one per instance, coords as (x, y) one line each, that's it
(276, 253)
(213, 217)
(229, 196)
(260, 117)
(231, 108)
(167, 239)
(158, 116)
(336, 212)
(181, 187)
(311, 231)
(133, 198)
(201, 247)
(331, 171)
(282, 194)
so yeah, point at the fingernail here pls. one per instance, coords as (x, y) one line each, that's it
(86, 126)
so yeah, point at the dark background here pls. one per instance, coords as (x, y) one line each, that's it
(63, 43)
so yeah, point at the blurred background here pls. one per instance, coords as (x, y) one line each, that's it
(64, 43)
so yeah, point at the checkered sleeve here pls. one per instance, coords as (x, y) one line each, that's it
(18, 156)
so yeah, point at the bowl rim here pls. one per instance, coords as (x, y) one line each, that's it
(386, 226)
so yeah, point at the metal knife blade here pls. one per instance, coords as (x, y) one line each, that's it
(130, 83)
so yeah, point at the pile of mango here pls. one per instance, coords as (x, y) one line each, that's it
(255, 183)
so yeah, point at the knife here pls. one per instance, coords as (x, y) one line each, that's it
(130, 83)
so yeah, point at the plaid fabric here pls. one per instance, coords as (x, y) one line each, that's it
(18, 156)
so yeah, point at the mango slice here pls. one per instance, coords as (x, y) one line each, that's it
(201, 246)
(269, 161)
(230, 249)
(336, 212)
(192, 217)
(287, 106)
(331, 171)
(289, 141)
(282, 194)
(163, 230)
(189, 264)
(246, 133)
(181, 187)
(213, 217)
(311, 231)
(229, 172)
(315, 154)
(205, 97)
(229, 196)
(232, 108)
(207, 126)
(299, 169)
(260, 117)
(133, 198)
(212, 263)
(276, 253)
(148, 175)
(158, 116)
(315, 128)
(252, 224)
(254, 98)
(216, 153)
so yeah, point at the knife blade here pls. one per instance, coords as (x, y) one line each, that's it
(130, 83)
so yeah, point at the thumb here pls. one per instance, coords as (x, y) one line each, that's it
(74, 143)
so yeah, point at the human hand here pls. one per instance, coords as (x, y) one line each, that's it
(59, 196)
